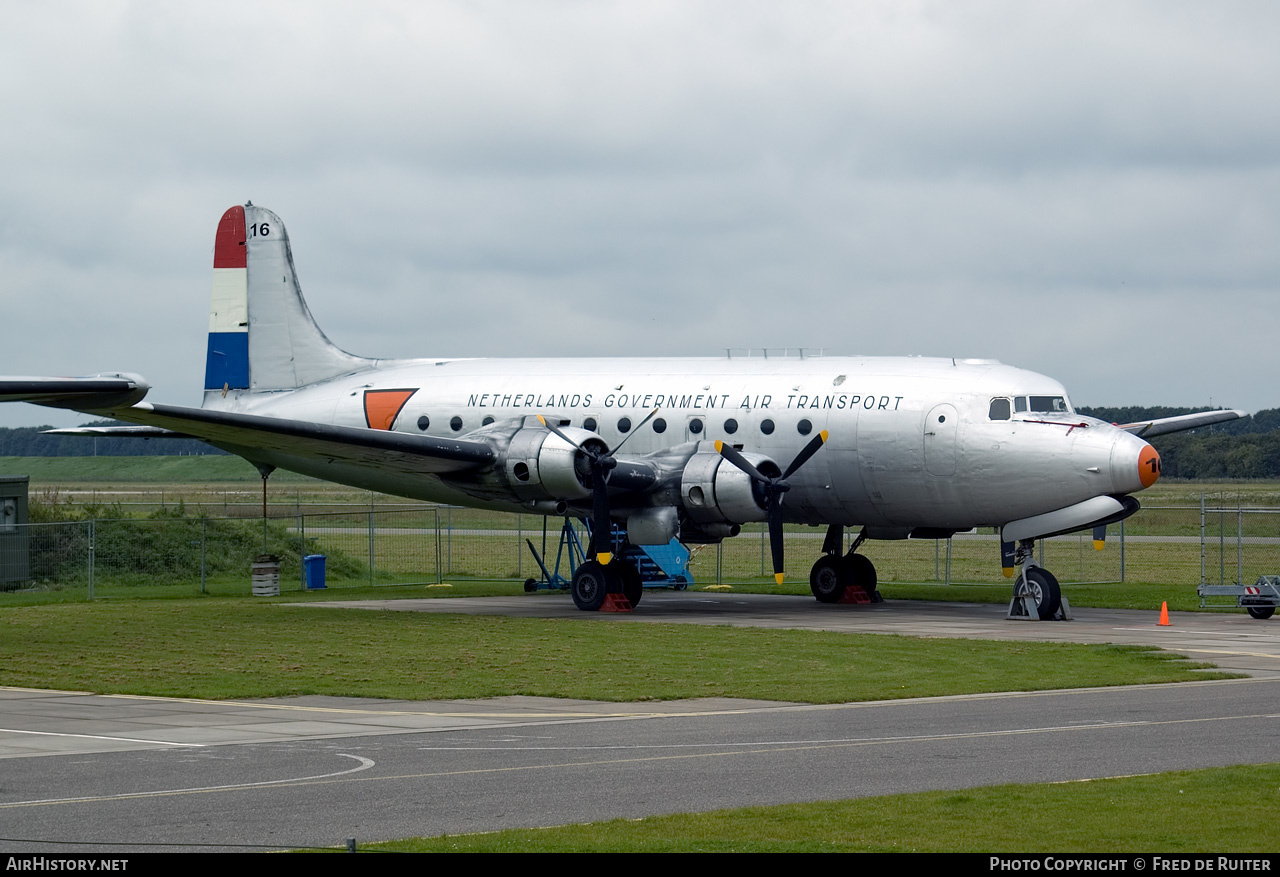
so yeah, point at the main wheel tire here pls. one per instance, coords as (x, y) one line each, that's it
(1262, 613)
(828, 578)
(632, 584)
(1043, 588)
(590, 583)
(864, 575)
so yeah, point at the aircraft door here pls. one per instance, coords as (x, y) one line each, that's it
(940, 429)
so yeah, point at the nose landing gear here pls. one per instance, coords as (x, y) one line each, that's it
(1036, 593)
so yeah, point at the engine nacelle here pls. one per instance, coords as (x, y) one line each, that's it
(541, 465)
(715, 491)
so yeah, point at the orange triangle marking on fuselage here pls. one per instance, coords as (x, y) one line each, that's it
(382, 406)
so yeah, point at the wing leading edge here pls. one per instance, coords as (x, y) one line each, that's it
(239, 433)
(1164, 425)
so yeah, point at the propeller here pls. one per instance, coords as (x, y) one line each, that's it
(774, 489)
(602, 462)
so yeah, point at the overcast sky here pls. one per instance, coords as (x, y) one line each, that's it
(1088, 190)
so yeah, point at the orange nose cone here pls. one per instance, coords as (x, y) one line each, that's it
(1148, 466)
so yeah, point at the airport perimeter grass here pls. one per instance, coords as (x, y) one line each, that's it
(215, 648)
(1222, 810)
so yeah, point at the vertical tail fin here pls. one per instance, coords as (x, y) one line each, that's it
(261, 333)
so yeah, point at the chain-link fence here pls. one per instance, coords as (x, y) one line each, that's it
(173, 549)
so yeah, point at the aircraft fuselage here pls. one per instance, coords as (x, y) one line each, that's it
(913, 442)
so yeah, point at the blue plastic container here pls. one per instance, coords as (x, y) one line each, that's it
(313, 566)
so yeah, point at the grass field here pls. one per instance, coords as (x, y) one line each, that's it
(226, 648)
(1219, 810)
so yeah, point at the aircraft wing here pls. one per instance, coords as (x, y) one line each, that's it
(97, 392)
(239, 433)
(148, 432)
(1163, 425)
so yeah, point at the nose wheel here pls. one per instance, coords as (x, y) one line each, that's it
(1041, 586)
(1038, 584)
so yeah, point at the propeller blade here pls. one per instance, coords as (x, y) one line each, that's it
(1099, 537)
(601, 523)
(774, 489)
(805, 453)
(601, 464)
(636, 430)
(730, 453)
(556, 431)
(775, 537)
(1007, 550)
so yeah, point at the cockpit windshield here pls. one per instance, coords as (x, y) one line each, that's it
(1049, 404)
(1000, 406)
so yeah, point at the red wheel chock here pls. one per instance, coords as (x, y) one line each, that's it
(616, 603)
(854, 594)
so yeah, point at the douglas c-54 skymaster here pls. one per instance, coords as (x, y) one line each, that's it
(896, 447)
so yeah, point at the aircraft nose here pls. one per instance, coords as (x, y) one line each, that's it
(1149, 466)
(1135, 465)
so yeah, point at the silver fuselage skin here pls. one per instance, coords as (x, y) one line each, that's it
(912, 440)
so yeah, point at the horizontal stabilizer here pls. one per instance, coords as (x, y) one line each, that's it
(243, 434)
(81, 394)
(119, 432)
(1163, 425)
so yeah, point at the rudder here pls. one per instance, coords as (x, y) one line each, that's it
(261, 332)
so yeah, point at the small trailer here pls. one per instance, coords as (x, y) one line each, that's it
(1259, 599)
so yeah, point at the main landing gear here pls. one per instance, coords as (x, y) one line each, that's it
(843, 578)
(1036, 583)
(594, 581)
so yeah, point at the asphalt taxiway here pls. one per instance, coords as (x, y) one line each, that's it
(84, 771)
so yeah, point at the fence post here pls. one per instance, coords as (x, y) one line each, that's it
(204, 522)
(948, 561)
(1121, 551)
(1239, 541)
(1202, 538)
(1222, 546)
(439, 578)
(302, 549)
(91, 539)
(719, 562)
(371, 544)
(519, 542)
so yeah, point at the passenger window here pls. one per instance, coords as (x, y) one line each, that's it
(1000, 409)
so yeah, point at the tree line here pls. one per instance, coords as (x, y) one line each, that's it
(29, 441)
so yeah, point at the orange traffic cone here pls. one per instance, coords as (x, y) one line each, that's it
(1164, 614)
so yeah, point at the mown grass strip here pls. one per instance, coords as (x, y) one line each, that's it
(1221, 810)
(238, 649)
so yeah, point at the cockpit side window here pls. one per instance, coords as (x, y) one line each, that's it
(1020, 404)
(1000, 409)
(1049, 404)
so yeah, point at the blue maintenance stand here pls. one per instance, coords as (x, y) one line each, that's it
(660, 566)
